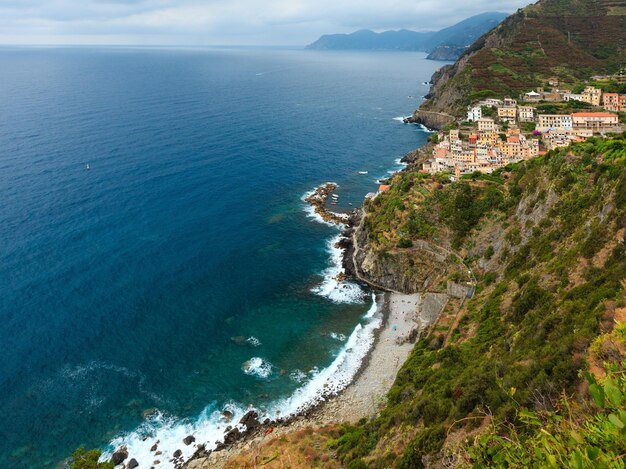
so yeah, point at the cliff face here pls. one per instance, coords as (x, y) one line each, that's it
(421, 268)
(431, 120)
(545, 241)
(446, 53)
(565, 40)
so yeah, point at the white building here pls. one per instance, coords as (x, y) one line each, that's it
(526, 113)
(554, 122)
(490, 102)
(474, 113)
(572, 97)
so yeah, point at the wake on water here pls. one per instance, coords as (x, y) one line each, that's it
(209, 427)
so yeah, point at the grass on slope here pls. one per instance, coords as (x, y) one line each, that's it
(550, 285)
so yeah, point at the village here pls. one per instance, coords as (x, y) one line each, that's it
(498, 132)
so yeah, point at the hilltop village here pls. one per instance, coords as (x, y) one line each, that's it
(497, 132)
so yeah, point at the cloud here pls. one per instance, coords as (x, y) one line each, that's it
(282, 22)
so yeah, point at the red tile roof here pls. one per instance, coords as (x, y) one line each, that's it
(594, 114)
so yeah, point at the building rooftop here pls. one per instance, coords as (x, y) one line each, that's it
(594, 114)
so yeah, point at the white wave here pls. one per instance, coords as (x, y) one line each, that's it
(338, 375)
(335, 290)
(257, 367)
(253, 341)
(339, 337)
(401, 118)
(169, 431)
(298, 376)
(209, 427)
(399, 162)
(425, 129)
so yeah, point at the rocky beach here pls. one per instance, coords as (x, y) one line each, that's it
(405, 318)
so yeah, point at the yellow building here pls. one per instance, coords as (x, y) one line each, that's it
(486, 124)
(592, 95)
(507, 113)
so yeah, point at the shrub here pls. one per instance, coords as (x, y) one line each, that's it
(83, 459)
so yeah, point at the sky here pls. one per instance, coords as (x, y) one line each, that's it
(223, 22)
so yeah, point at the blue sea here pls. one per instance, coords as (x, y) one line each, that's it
(157, 262)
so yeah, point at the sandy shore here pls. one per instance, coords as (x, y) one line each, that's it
(364, 396)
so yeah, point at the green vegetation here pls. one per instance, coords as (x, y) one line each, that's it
(83, 459)
(568, 40)
(570, 435)
(488, 111)
(505, 390)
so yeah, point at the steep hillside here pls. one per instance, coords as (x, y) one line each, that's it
(563, 39)
(546, 240)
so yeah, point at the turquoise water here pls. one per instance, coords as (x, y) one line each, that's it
(122, 283)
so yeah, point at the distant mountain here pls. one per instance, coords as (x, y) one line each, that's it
(467, 31)
(366, 39)
(457, 37)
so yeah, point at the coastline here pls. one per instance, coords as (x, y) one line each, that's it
(402, 323)
(403, 319)
(353, 387)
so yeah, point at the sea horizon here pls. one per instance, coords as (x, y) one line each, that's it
(168, 269)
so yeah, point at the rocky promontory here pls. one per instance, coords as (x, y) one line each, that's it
(430, 119)
(318, 198)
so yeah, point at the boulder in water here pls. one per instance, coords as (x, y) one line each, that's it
(119, 456)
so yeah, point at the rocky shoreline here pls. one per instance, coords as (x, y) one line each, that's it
(404, 319)
(252, 427)
(317, 200)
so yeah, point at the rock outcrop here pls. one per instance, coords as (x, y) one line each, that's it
(429, 119)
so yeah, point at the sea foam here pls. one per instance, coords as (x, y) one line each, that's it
(338, 291)
(209, 427)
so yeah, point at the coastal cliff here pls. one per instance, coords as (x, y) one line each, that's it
(532, 262)
(430, 119)
(549, 40)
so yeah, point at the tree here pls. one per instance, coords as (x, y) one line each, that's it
(83, 459)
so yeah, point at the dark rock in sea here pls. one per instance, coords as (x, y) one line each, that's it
(119, 456)
(132, 464)
(227, 415)
(250, 420)
(149, 413)
(178, 453)
(158, 453)
(154, 447)
(232, 436)
(201, 452)
(189, 439)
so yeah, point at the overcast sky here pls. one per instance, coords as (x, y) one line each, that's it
(222, 22)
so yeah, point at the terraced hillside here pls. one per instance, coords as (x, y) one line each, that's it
(562, 39)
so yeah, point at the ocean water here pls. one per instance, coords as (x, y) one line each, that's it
(157, 263)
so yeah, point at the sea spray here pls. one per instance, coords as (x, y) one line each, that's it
(209, 427)
(333, 287)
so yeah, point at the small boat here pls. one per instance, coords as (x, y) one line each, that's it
(363, 172)
(333, 203)
(87, 167)
(335, 196)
